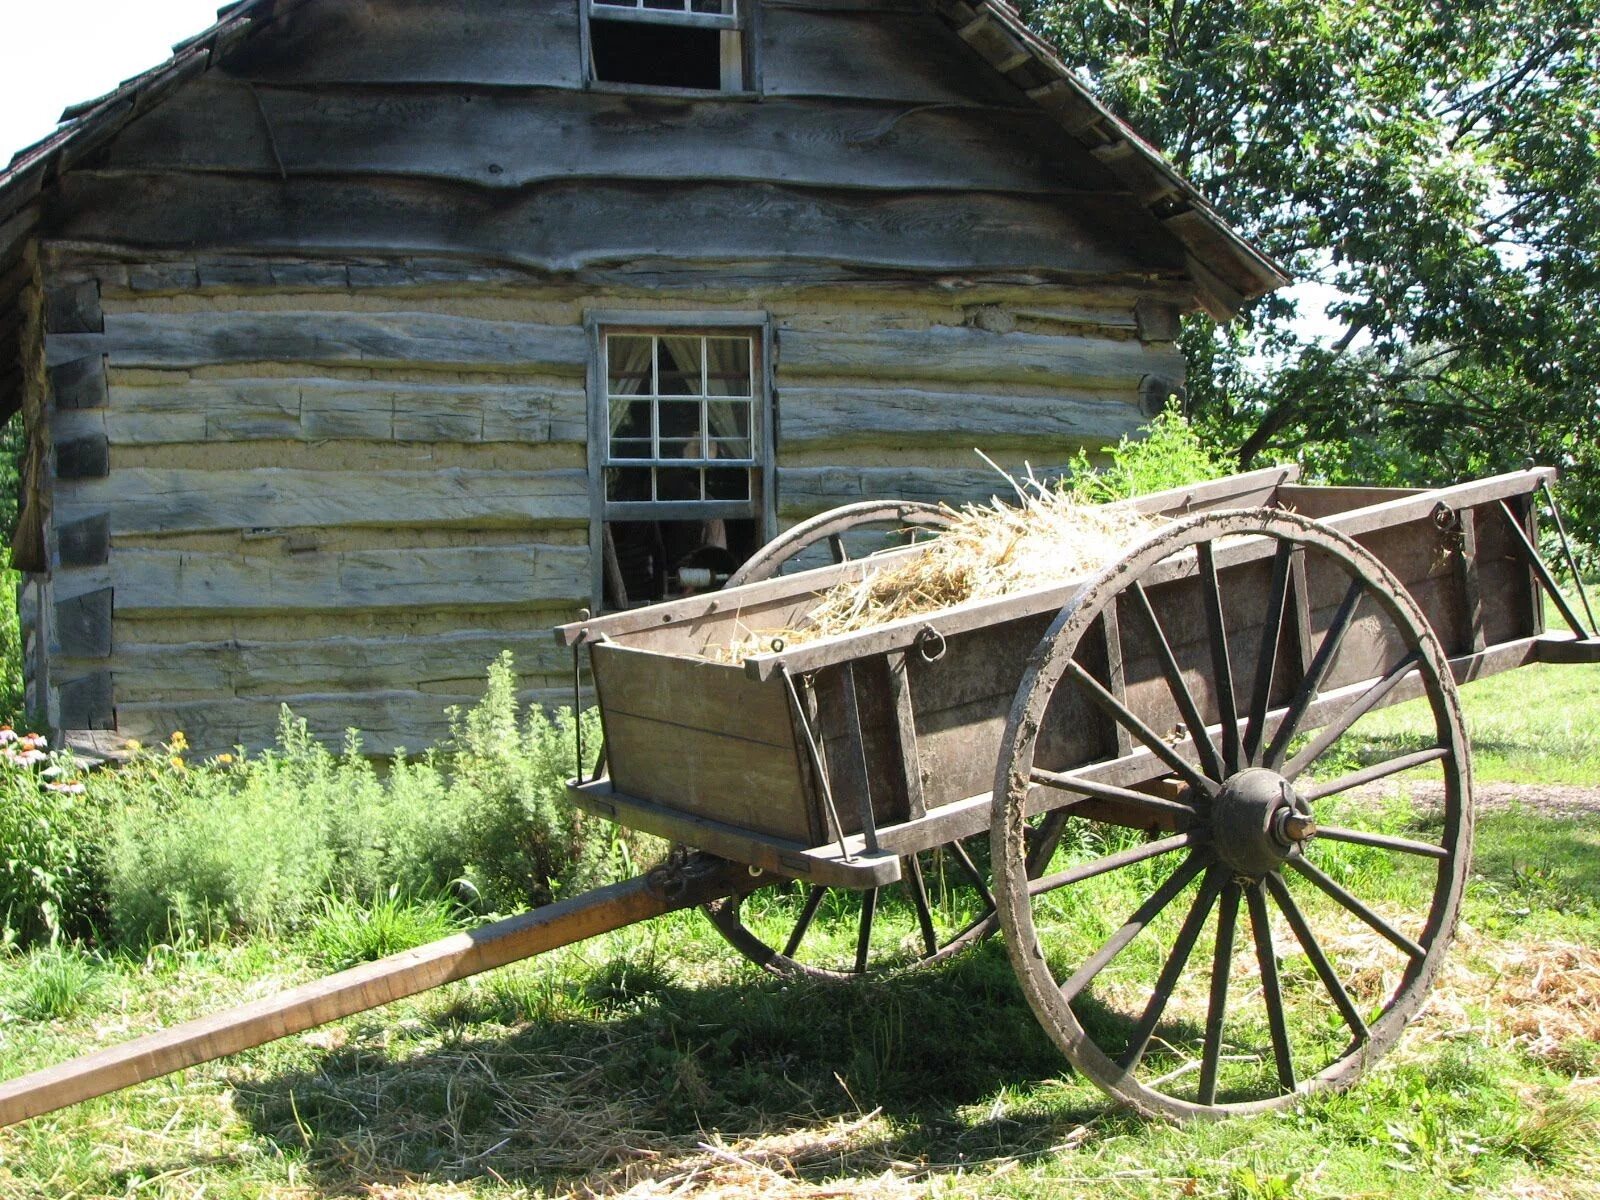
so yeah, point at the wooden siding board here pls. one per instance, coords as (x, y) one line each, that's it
(905, 416)
(198, 339)
(446, 664)
(957, 353)
(508, 139)
(577, 226)
(152, 500)
(422, 41)
(321, 410)
(477, 577)
(803, 491)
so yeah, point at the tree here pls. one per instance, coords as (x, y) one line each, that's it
(1437, 164)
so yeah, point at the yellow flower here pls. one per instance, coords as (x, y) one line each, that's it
(179, 743)
(224, 759)
(133, 745)
(177, 763)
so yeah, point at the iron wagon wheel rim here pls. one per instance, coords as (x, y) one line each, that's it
(1222, 886)
(727, 915)
(770, 559)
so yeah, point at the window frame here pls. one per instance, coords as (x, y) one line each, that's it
(743, 22)
(762, 504)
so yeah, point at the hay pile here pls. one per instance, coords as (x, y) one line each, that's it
(990, 550)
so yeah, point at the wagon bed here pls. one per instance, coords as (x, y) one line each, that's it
(719, 754)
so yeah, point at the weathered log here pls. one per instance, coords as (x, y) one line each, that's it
(573, 225)
(170, 581)
(904, 416)
(149, 500)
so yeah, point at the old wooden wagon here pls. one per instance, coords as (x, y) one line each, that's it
(1149, 751)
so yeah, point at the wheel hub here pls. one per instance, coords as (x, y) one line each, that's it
(1257, 821)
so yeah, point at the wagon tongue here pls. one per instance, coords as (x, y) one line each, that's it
(1257, 821)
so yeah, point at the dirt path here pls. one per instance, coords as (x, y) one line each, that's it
(1552, 799)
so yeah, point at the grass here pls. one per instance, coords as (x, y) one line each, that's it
(654, 1062)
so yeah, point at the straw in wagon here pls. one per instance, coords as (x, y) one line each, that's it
(989, 550)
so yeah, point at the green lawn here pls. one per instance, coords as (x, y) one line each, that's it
(656, 1060)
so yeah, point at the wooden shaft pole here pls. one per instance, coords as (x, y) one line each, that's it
(355, 990)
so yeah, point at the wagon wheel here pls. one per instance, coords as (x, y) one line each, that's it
(1349, 900)
(789, 548)
(943, 901)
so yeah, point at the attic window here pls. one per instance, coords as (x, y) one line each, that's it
(692, 44)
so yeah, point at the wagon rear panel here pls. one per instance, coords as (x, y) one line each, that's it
(701, 738)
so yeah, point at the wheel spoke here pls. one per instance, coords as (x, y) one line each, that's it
(836, 548)
(1267, 657)
(912, 877)
(1383, 841)
(1111, 862)
(1113, 794)
(1375, 772)
(1365, 703)
(1320, 666)
(1142, 916)
(978, 881)
(1210, 759)
(1152, 741)
(807, 913)
(1341, 896)
(1172, 969)
(1319, 960)
(1221, 666)
(869, 906)
(1271, 991)
(1216, 1010)
(1048, 838)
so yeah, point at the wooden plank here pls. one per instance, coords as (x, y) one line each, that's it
(446, 664)
(906, 416)
(949, 353)
(152, 500)
(388, 720)
(898, 56)
(73, 307)
(171, 581)
(198, 339)
(277, 409)
(693, 693)
(612, 226)
(369, 985)
(83, 458)
(418, 41)
(83, 625)
(1467, 574)
(507, 139)
(85, 542)
(86, 702)
(79, 383)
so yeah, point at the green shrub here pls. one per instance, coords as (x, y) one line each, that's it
(51, 878)
(53, 984)
(1169, 454)
(258, 842)
(348, 931)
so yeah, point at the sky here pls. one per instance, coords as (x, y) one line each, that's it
(61, 52)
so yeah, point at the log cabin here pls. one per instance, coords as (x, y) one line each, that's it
(363, 339)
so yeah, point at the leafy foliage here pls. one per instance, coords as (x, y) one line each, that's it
(1436, 167)
(51, 878)
(1168, 453)
(264, 842)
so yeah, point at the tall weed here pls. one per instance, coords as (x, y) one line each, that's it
(50, 829)
(1169, 454)
(269, 841)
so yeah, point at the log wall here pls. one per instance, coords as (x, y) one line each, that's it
(317, 357)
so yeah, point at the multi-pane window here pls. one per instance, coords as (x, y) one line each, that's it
(698, 44)
(682, 417)
(681, 449)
